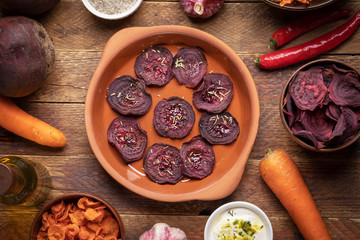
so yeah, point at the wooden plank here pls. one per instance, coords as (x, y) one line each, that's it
(255, 24)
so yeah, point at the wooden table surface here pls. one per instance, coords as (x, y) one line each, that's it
(245, 25)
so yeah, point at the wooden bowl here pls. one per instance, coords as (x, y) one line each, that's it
(118, 58)
(73, 198)
(315, 4)
(302, 143)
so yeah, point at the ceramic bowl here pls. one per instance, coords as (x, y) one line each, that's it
(320, 62)
(315, 4)
(121, 15)
(73, 198)
(228, 211)
(118, 58)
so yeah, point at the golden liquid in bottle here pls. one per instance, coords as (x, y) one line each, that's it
(33, 182)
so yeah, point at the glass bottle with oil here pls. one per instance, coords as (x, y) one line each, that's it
(23, 182)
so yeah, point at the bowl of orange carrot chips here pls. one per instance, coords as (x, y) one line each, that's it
(299, 5)
(77, 216)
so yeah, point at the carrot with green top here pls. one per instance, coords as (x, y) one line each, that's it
(17, 121)
(281, 174)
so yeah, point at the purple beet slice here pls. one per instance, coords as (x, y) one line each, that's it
(162, 163)
(215, 93)
(128, 137)
(308, 89)
(346, 127)
(344, 89)
(197, 158)
(128, 96)
(220, 128)
(173, 118)
(153, 65)
(189, 66)
(307, 136)
(317, 123)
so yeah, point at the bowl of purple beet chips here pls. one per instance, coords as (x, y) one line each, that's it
(320, 105)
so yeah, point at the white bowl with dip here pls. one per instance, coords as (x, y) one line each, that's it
(112, 9)
(227, 217)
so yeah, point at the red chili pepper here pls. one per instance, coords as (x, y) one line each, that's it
(305, 24)
(309, 49)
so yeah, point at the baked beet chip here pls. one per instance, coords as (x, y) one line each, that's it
(162, 163)
(173, 118)
(308, 89)
(197, 157)
(215, 93)
(153, 65)
(189, 66)
(128, 96)
(219, 128)
(127, 136)
(344, 89)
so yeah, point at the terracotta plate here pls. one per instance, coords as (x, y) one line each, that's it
(315, 4)
(118, 58)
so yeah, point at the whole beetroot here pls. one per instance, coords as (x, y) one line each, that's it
(28, 7)
(26, 56)
(201, 8)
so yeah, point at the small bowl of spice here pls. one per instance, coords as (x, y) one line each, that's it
(112, 9)
(320, 105)
(242, 219)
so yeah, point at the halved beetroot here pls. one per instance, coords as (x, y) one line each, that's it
(197, 158)
(128, 137)
(220, 128)
(153, 65)
(189, 66)
(215, 93)
(344, 89)
(173, 117)
(162, 163)
(128, 96)
(308, 89)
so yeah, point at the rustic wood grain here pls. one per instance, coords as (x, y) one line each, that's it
(245, 26)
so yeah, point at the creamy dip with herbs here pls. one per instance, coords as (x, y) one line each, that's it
(238, 224)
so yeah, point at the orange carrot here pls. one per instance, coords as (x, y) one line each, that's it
(17, 121)
(281, 174)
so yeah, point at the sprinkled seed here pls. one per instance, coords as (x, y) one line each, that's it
(129, 98)
(179, 62)
(119, 94)
(112, 94)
